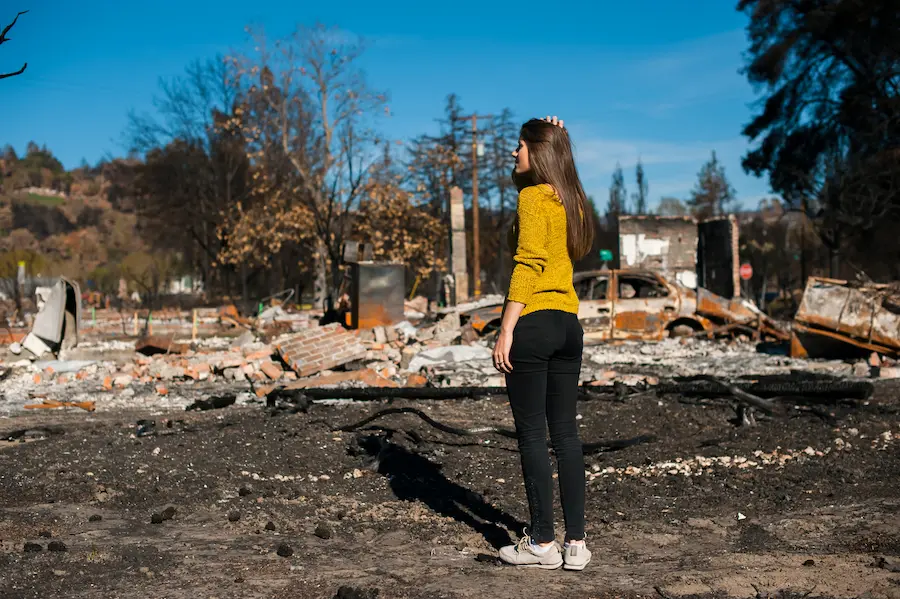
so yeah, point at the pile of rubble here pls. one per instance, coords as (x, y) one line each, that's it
(282, 349)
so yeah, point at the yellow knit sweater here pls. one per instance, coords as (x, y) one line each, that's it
(542, 275)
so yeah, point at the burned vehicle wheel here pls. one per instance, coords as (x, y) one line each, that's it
(684, 328)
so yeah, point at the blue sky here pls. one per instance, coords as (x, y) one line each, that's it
(655, 79)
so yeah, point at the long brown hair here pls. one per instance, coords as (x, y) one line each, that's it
(552, 162)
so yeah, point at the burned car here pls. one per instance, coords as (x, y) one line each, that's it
(644, 305)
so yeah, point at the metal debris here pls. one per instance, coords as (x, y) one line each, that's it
(839, 319)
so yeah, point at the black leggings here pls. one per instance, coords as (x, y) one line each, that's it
(543, 390)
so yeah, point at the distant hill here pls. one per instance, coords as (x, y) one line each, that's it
(79, 223)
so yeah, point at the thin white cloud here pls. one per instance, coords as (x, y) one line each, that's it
(601, 155)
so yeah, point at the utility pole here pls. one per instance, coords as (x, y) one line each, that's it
(476, 253)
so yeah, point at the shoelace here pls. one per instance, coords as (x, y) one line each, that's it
(523, 544)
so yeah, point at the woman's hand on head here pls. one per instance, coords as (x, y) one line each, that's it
(554, 121)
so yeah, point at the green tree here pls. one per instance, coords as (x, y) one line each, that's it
(828, 129)
(640, 198)
(713, 195)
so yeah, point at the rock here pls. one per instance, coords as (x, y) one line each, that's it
(32, 548)
(425, 333)
(234, 516)
(380, 335)
(156, 519)
(406, 356)
(168, 513)
(447, 329)
(890, 564)
(45, 534)
(284, 550)
(270, 526)
(469, 335)
(123, 380)
(246, 338)
(244, 491)
(95, 518)
(405, 330)
(239, 579)
(167, 373)
(890, 373)
(417, 304)
(348, 592)
(57, 546)
(809, 563)
(234, 374)
(323, 531)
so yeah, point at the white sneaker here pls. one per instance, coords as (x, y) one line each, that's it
(576, 556)
(524, 554)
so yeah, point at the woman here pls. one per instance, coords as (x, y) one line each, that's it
(540, 341)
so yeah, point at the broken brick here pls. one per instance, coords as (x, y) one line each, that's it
(260, 354)
(320, 348)
(365, 375)
(37, 379)
(272, 370)
(107, 383)
(230, 362)
(161, 390)
(416, 380)
(265, 390)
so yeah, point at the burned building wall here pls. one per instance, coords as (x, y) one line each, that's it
(666, 244)
(717, 256)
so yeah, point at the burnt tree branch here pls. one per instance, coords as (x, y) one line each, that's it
(4, 39)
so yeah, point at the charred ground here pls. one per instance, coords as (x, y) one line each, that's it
(410, 511)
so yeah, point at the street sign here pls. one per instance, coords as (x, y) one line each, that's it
(746, 271)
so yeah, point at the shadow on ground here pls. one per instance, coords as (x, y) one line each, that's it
(415, 478)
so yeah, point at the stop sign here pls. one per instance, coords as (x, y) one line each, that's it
(746, 271)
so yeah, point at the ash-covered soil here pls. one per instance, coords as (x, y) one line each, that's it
(278, 505)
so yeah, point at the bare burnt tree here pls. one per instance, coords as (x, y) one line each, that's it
(306, 116)
(830, 71)
(503, 138)
(195, 167)
(4, 39)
